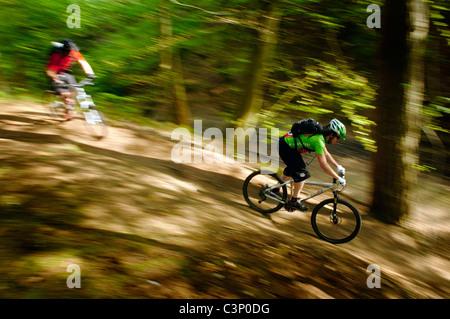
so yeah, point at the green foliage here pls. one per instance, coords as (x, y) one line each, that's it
(323, 64)
(437, 10)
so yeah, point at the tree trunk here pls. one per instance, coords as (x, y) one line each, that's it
(390, 202)
(182, 112)
(437, 70)
(171, 71)
(419, 22)
(3, 83)
(267, 36)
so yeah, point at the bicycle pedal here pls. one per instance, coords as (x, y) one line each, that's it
(289, 208)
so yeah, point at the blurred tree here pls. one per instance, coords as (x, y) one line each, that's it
(267, 35)
(390, 201)
(436, 113)
(419, 27)
(181, 108)
(171, 68)
(404, 31)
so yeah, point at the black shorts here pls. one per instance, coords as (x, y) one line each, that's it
(295, 165)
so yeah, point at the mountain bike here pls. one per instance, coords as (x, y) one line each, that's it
(334, 220)
(94, 120)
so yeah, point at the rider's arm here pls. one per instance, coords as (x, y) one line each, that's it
(322, 158)
(52, 74)
(86, 67)
(84, 64)
(330, 158)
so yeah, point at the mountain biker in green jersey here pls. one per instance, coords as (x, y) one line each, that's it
(295, 165)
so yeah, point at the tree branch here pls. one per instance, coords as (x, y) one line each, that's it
(224, 17)
(201, 9)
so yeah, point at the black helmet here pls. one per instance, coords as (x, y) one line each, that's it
(69, 45)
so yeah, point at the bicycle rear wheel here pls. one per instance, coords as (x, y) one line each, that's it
(95, 122)
(336, 228)
(256, 190)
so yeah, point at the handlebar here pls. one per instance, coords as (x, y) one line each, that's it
(342, 175)
(85, 81)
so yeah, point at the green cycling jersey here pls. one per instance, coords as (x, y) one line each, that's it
(307, 143)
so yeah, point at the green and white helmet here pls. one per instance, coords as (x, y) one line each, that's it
(337, 127)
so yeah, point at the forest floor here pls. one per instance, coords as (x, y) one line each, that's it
(141, 226)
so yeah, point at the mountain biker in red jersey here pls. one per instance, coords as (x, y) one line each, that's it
(296, 167)
(62, 58)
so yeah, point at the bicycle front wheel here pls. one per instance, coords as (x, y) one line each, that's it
(258, 193)
(336, 223)
(95, 122)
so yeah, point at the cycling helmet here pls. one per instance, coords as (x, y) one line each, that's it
(337, 127)
(69, 45)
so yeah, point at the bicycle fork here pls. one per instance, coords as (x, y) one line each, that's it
(333, 215)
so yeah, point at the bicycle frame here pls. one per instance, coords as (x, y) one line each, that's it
(326, 215)
(82, 99)
(94, 119)
(328, 186)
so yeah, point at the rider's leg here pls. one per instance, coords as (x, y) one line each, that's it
(68, 98)
(299, 182)
(296, 169)
(297, 189)
(68, 94)
(298, 186)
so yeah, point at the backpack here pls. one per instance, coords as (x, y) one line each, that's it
(306, 126)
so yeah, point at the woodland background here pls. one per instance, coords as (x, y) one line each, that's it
(260, 64)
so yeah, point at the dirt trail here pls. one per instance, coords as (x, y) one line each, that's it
(142, 226)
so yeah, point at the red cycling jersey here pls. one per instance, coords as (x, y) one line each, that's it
(60, 63)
